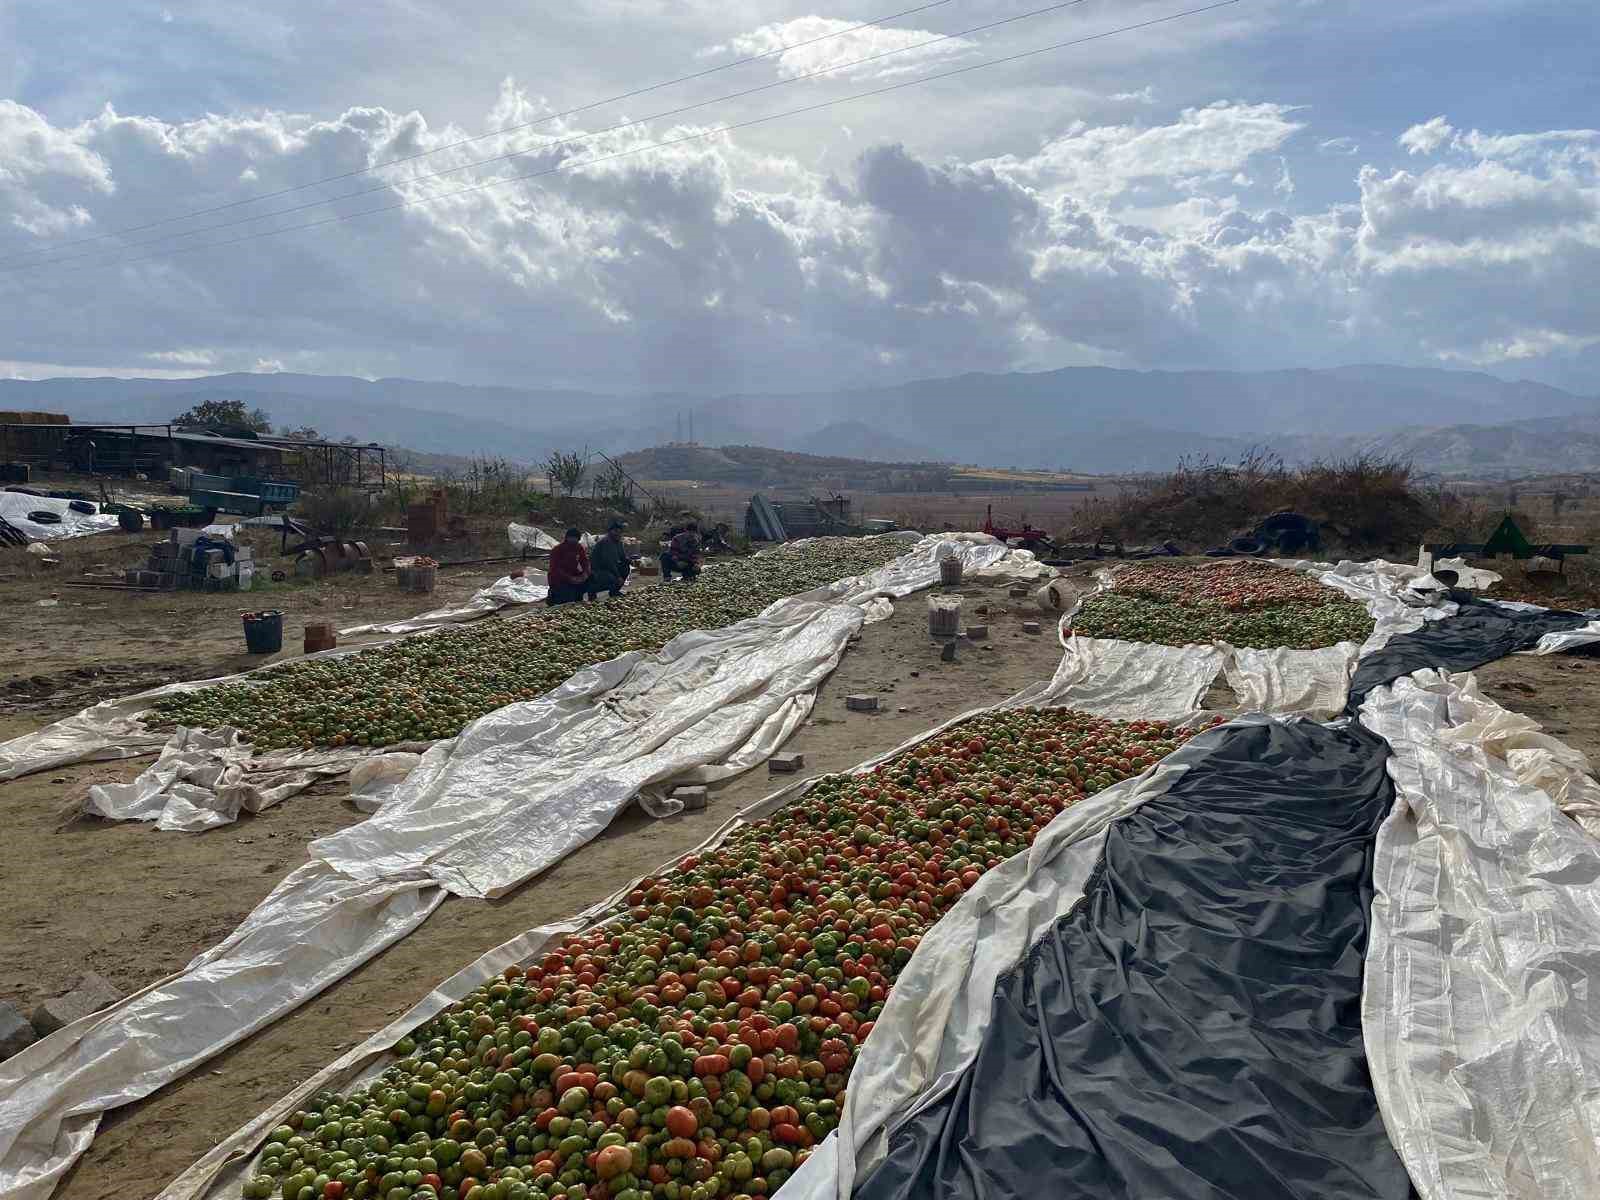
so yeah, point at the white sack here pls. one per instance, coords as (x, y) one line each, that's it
(15, 507)
(531, 537)
(315, 928)
(1483, 963)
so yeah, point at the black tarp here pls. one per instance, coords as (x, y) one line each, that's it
(1479, 633)
(1191, 1030)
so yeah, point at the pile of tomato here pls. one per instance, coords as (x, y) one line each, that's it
(1250, 604)
(430, 687)
(698, 1043)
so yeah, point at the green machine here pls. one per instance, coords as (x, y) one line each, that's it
(1507, 538)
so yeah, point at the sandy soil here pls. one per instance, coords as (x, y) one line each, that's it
(136, 904)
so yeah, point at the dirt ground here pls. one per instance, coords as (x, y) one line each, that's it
(92, 643)
(135, 904)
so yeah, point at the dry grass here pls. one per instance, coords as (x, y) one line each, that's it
(1365, 503)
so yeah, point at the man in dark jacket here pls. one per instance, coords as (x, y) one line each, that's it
(609, 564)
(682, 553)
(569, 570)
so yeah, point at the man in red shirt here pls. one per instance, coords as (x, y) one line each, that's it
(569, 570)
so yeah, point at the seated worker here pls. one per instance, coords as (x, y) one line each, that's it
(682, 554)
(569, 570)
(609, 564)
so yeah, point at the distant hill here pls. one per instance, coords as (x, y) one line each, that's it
(1089, 419)
(764, 467)
(861, 440)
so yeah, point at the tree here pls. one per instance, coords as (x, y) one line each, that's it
(224, 414)
(305, 433)
(565, 470)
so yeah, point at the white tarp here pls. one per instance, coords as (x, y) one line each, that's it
(531, 588)
(1483, 964)
(1137, 680)
(1314, 683)
(319, 924)
(205, 778)
(314, 929)
(15, 507)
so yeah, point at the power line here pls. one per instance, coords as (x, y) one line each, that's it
(573, 140)
(661, 145)
(545, 120)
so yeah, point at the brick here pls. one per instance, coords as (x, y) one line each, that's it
(786, 763)
(1031, 627)
(693, 798)
(15, 1032)
(976, 633)
(861, 703)
(91, 995)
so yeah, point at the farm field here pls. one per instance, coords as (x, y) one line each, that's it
(175, 894)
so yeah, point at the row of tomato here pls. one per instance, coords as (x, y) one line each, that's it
(700, 1041)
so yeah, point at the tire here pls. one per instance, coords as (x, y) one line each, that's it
(1245, 545)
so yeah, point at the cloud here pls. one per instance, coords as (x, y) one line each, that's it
(1339, 145)
(1426, 137)
(1216, 141)
(1145, 95)
(721, 264)
(909, 53)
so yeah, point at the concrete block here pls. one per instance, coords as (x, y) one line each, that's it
(948, 652)
(1018, 591)
(976, 633)
(693, 798)
(15, 1032)
(785, 764)
(91, 995)
(861, 703)
(1031, 627)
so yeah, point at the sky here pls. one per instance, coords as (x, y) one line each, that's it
(1267, 184)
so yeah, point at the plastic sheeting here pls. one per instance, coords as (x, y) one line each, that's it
(1183, 1030)
(15, 507)
(315, 928)
(1478, 633)
(1315, 683)
(1484, 963)
(504, 592)
(1137, 680)
(206, 778)
(520, 788)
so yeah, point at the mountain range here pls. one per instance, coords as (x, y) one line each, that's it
(1090, 419)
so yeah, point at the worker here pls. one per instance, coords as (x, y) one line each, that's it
(609, 564)
(682, 554)
(569, 570)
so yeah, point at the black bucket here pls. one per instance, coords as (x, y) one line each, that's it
(263, 632)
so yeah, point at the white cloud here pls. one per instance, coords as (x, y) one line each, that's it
(1145, 95)
(906, 47)
(1427, 137)
(721, 264)
(1112, 160)
(1339, 145)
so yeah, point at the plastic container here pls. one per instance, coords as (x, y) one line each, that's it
(263, 632)
(950, 571)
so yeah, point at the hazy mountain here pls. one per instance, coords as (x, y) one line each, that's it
(1081, 418)
(856, 439)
